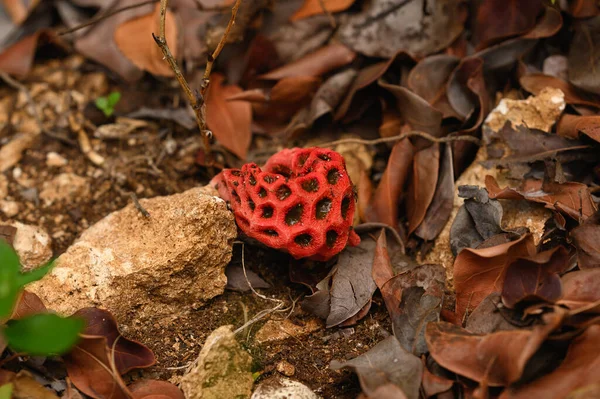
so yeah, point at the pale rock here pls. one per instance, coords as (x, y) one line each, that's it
(64, 187)
(9, 208)
(54, 159)
(286, 368)
(281, 387)
(11, 152)
(32, 244)
(277, 330)
(223, 369)
(144, 268)
(536, 112)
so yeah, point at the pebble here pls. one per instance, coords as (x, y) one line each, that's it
(53, 159)
(286, 368)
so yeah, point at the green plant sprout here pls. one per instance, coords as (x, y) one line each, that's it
(107, 104)
(6, 391)
(42, 334)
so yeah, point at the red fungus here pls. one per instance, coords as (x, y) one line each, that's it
(301, 202)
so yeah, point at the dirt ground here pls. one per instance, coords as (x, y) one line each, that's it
(146, 164)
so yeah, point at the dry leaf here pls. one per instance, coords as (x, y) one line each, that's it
(316, 7)
(134, 39)
(228, 120)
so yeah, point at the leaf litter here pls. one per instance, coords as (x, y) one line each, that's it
(413, 80)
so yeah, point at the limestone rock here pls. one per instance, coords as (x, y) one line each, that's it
(64, 187)
(9, 208)
(536, 112)
(286, 368)
(142, 267)
(222, 370)
(32, 244)
(280, 387)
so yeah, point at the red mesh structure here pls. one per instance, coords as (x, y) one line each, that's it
(301, 202)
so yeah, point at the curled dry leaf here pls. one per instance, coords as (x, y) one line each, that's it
(581, 290)
(441, 207)
(586, 239)
(584, 55)
(425, 170)
(383, 207)
(490, 316)
(17, 59)
(479, 272)
(90, 369)
(535, 280)
(499, 357)
(571, 126)
(536, 82)
(28, 304)
(318, 63)
(316, 7)
(498, 20)
(134, 39)
(580, 368)
(228, 120)
(570, 198)
(127, 354)
(386, 363)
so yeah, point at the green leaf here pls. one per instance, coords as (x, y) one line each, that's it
(43, 334)
(9, 260)
(113, 99)
(6, 391)
(35, 274)
(102, 103)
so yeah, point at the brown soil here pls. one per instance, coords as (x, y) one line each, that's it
(141, 164)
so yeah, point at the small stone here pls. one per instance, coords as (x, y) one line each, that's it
(32, 244)
(281, 387)
(286, 368)
(223, 369)
(54, 159)
(142, 268)
(64, 187)
(275, 330)
(9, 208)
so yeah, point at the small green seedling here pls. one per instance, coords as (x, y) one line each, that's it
(6, 391)
(42, 334)
(107, 104)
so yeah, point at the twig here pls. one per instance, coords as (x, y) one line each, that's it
(105, 15)
(197, 101)
(399, 137)
(328, 13)
(38, 119)
(139, 206)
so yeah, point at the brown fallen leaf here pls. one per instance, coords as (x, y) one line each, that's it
(584, 55)
(228, 120)
(127, 354)
(17, 59)
(383, 207)
(90, 369)
(18, 10)
(386, 363)
(498, 20)
(421, 189)
(581, 289)
(155, 389)
(535, 83)
(585, 239)
(580, 368)
(583, 8)
(470, 355)
(134, 39)
(571, 126)
(433, 384)
(479, 272)
(318, 63)
(316, 7)
(571, 198)
(26, 387)
(28, 304)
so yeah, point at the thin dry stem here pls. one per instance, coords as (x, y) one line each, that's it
(328, 13)
(197, 101)
(399, 137)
